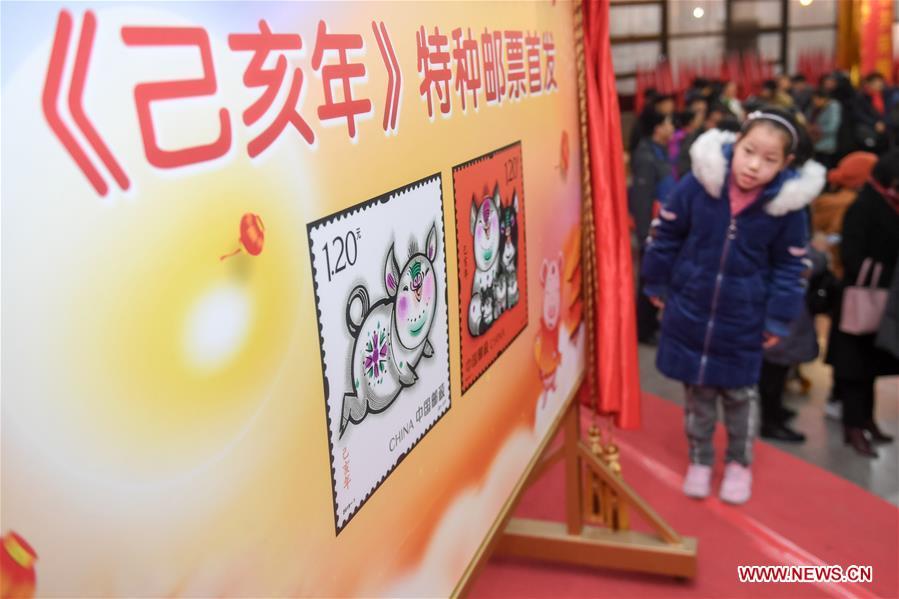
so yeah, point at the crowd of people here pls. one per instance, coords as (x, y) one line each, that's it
(753, 216)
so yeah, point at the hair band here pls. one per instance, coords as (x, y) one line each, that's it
(794, 135)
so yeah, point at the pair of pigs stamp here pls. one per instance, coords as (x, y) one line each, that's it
(380, 278)
(492, 257)
(495, 287)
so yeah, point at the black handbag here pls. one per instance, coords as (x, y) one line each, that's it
(822, 293)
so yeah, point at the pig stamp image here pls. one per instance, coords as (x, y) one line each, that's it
(393, 335)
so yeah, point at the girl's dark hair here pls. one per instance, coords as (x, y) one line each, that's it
(821, 92)
(801, 147)
(886, 171)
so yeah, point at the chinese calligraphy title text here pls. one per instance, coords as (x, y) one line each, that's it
(454, 67)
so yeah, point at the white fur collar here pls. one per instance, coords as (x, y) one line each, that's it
(707, 159)
(710, 168)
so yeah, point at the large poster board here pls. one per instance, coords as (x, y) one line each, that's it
(288, 289)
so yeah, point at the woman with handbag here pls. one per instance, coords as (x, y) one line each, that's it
(869, 250)
(828, 210)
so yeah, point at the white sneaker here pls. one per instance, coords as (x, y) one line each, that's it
(736, 488)
(834, 410)
(698, 481)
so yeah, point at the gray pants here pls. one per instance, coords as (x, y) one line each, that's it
(740, 419)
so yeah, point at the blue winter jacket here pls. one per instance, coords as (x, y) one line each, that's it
(727, 280)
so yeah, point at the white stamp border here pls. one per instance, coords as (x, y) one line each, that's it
(335, 217)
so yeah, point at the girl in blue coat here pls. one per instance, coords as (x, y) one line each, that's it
(725, 260)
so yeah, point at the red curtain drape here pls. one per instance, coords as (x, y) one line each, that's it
(615, 324)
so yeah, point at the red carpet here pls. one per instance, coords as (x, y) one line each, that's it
(799, 514)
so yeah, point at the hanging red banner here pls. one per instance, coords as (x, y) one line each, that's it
(875, 27)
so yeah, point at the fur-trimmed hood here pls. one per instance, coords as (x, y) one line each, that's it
(711, 153)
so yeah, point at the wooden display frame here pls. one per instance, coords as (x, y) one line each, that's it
(574, 542)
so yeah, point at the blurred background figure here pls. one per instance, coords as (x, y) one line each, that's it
(869, 248)
(731, 102)
(823, 117)
(869, 113)
(783, 97)
(846, 180)
(798, 347)
(715, 114)
(652, 180)
(801, 92)
(656, 104)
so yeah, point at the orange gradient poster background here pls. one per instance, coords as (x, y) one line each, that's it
(163, 418)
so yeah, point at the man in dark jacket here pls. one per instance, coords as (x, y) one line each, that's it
(869, 115)
(652, 179)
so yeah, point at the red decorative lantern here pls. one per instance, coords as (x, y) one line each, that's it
(17, 576)
(252, 235)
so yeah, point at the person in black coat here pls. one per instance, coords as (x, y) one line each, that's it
(651, 180)
(656, 103)
(841, 90)
(870, 231)
(800, 346)
(869, 115)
